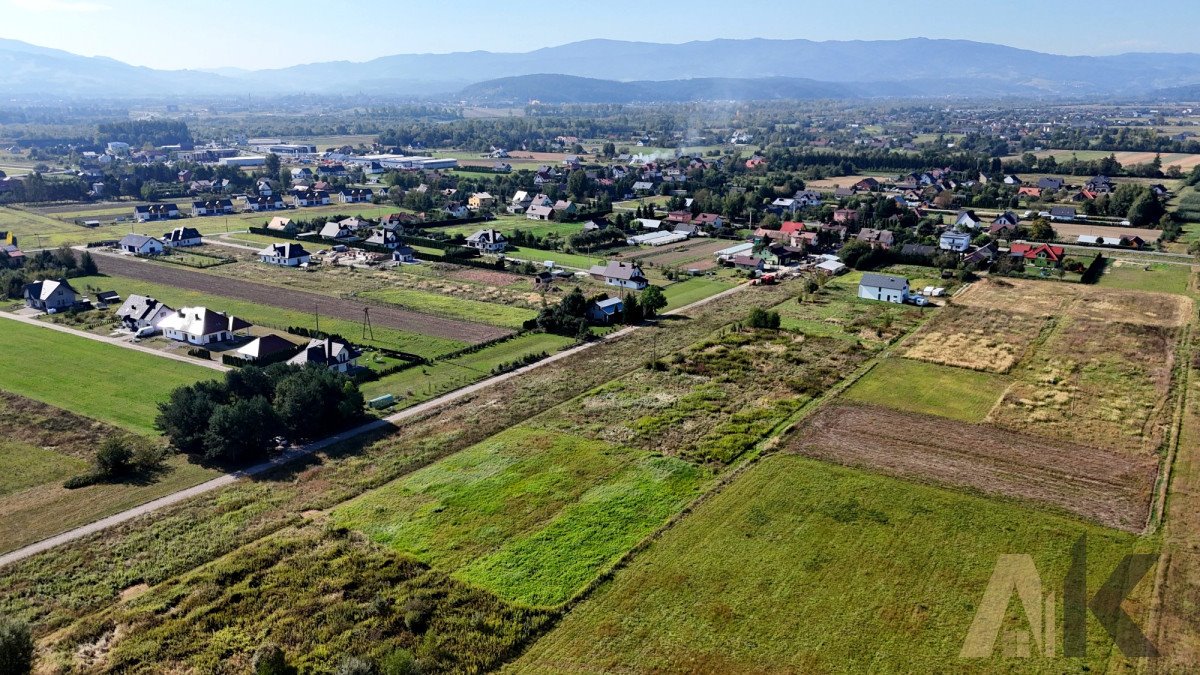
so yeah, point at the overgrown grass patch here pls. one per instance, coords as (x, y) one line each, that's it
(453, 307)
(929, 388)
(810, 567)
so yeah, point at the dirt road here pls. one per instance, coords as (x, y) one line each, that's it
(300, 301)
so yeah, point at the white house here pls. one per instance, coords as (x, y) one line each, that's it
(620, 274)
(954, 241)
(883, 287)
(140, 244)
(331, 353)
(786, 204)
(140, 311)
(967, 219)
(539, 212)
(183, 236)
(201, 326)
(404, 254)
(488, 241)
(284, 255)
(50, 295)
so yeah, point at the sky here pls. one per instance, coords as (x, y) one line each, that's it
(174, 34)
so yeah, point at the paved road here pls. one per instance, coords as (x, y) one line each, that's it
(117, 341)
(302, 451)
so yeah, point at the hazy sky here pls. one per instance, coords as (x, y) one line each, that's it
(277, 33)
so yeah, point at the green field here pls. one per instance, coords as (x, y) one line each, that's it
(537, 256)
(87, 377)
(682, 293)
(1155, 277)
(24, 466)
(273, 317)
(800, 566)
(929, 388)
(415, 385)
(530, 514)
(495, 314)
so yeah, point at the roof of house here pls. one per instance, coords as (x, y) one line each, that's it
(202, 321)
(791, 226)
(289, 251)
(618, 270)
(182, 234)
(265, 346)
(140, 307)
(609, 305)
(1031, 251)
(1063, 211)
(42, 290)
(488, 236)
(746, 260)
(136, 240)
(887, 281)
(540, 210)
(279, 223)
(918, 250)
(325, 352)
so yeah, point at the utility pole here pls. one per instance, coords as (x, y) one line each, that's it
(367, 324)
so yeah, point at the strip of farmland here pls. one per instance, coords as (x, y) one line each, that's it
(302, 301)
(1111, 488)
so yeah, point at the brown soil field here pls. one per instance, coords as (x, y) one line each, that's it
(844, 181)
(302, 301)
(1078, 300)
(1110, 488)
(487, 277)
(967, 337)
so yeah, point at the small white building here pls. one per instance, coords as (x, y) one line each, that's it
(884, 287)
(954, 241)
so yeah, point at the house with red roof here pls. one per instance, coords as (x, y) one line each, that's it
(1038, 253)
(791, 227)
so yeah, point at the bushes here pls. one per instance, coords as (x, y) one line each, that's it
(119, 457)
(234, 420)
(761, 318)
(16, 647)
(199, 353)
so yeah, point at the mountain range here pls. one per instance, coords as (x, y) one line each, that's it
(619, 71)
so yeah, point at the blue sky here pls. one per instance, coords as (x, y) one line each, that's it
(278, 33)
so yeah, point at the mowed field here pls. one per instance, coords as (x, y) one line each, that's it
(98, 380)
(799, 566)
(1183, 161)
(301, 301)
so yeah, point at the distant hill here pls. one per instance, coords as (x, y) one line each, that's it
(572, 89)
(780, 68)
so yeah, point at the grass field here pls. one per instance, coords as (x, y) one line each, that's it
(272, 317)
(531, 515)
(24, 466)
(456, 308)
(91, 378)
(686, 292)
(415, 385)
(1154, 277)
(929, 388)
(582, 262)
(800, 566)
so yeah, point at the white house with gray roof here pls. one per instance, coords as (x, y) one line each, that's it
(883, 287)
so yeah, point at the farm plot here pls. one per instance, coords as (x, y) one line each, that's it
(529, 514)
(296, 300)
(800, 566)
(930, 389)
(40, 447)
(1110, 487)
(1143, 276)
(1077, 300)
(102, 381)
(683, 293)
(991, 341)
(1096, 382)
(832, 312)
(693, 254)
(713, 402)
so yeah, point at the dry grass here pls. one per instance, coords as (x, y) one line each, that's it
(1095, 382)
(1040, 298)
(990, 341)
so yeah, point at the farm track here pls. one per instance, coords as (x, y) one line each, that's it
(1110, 488)
(300, 301)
